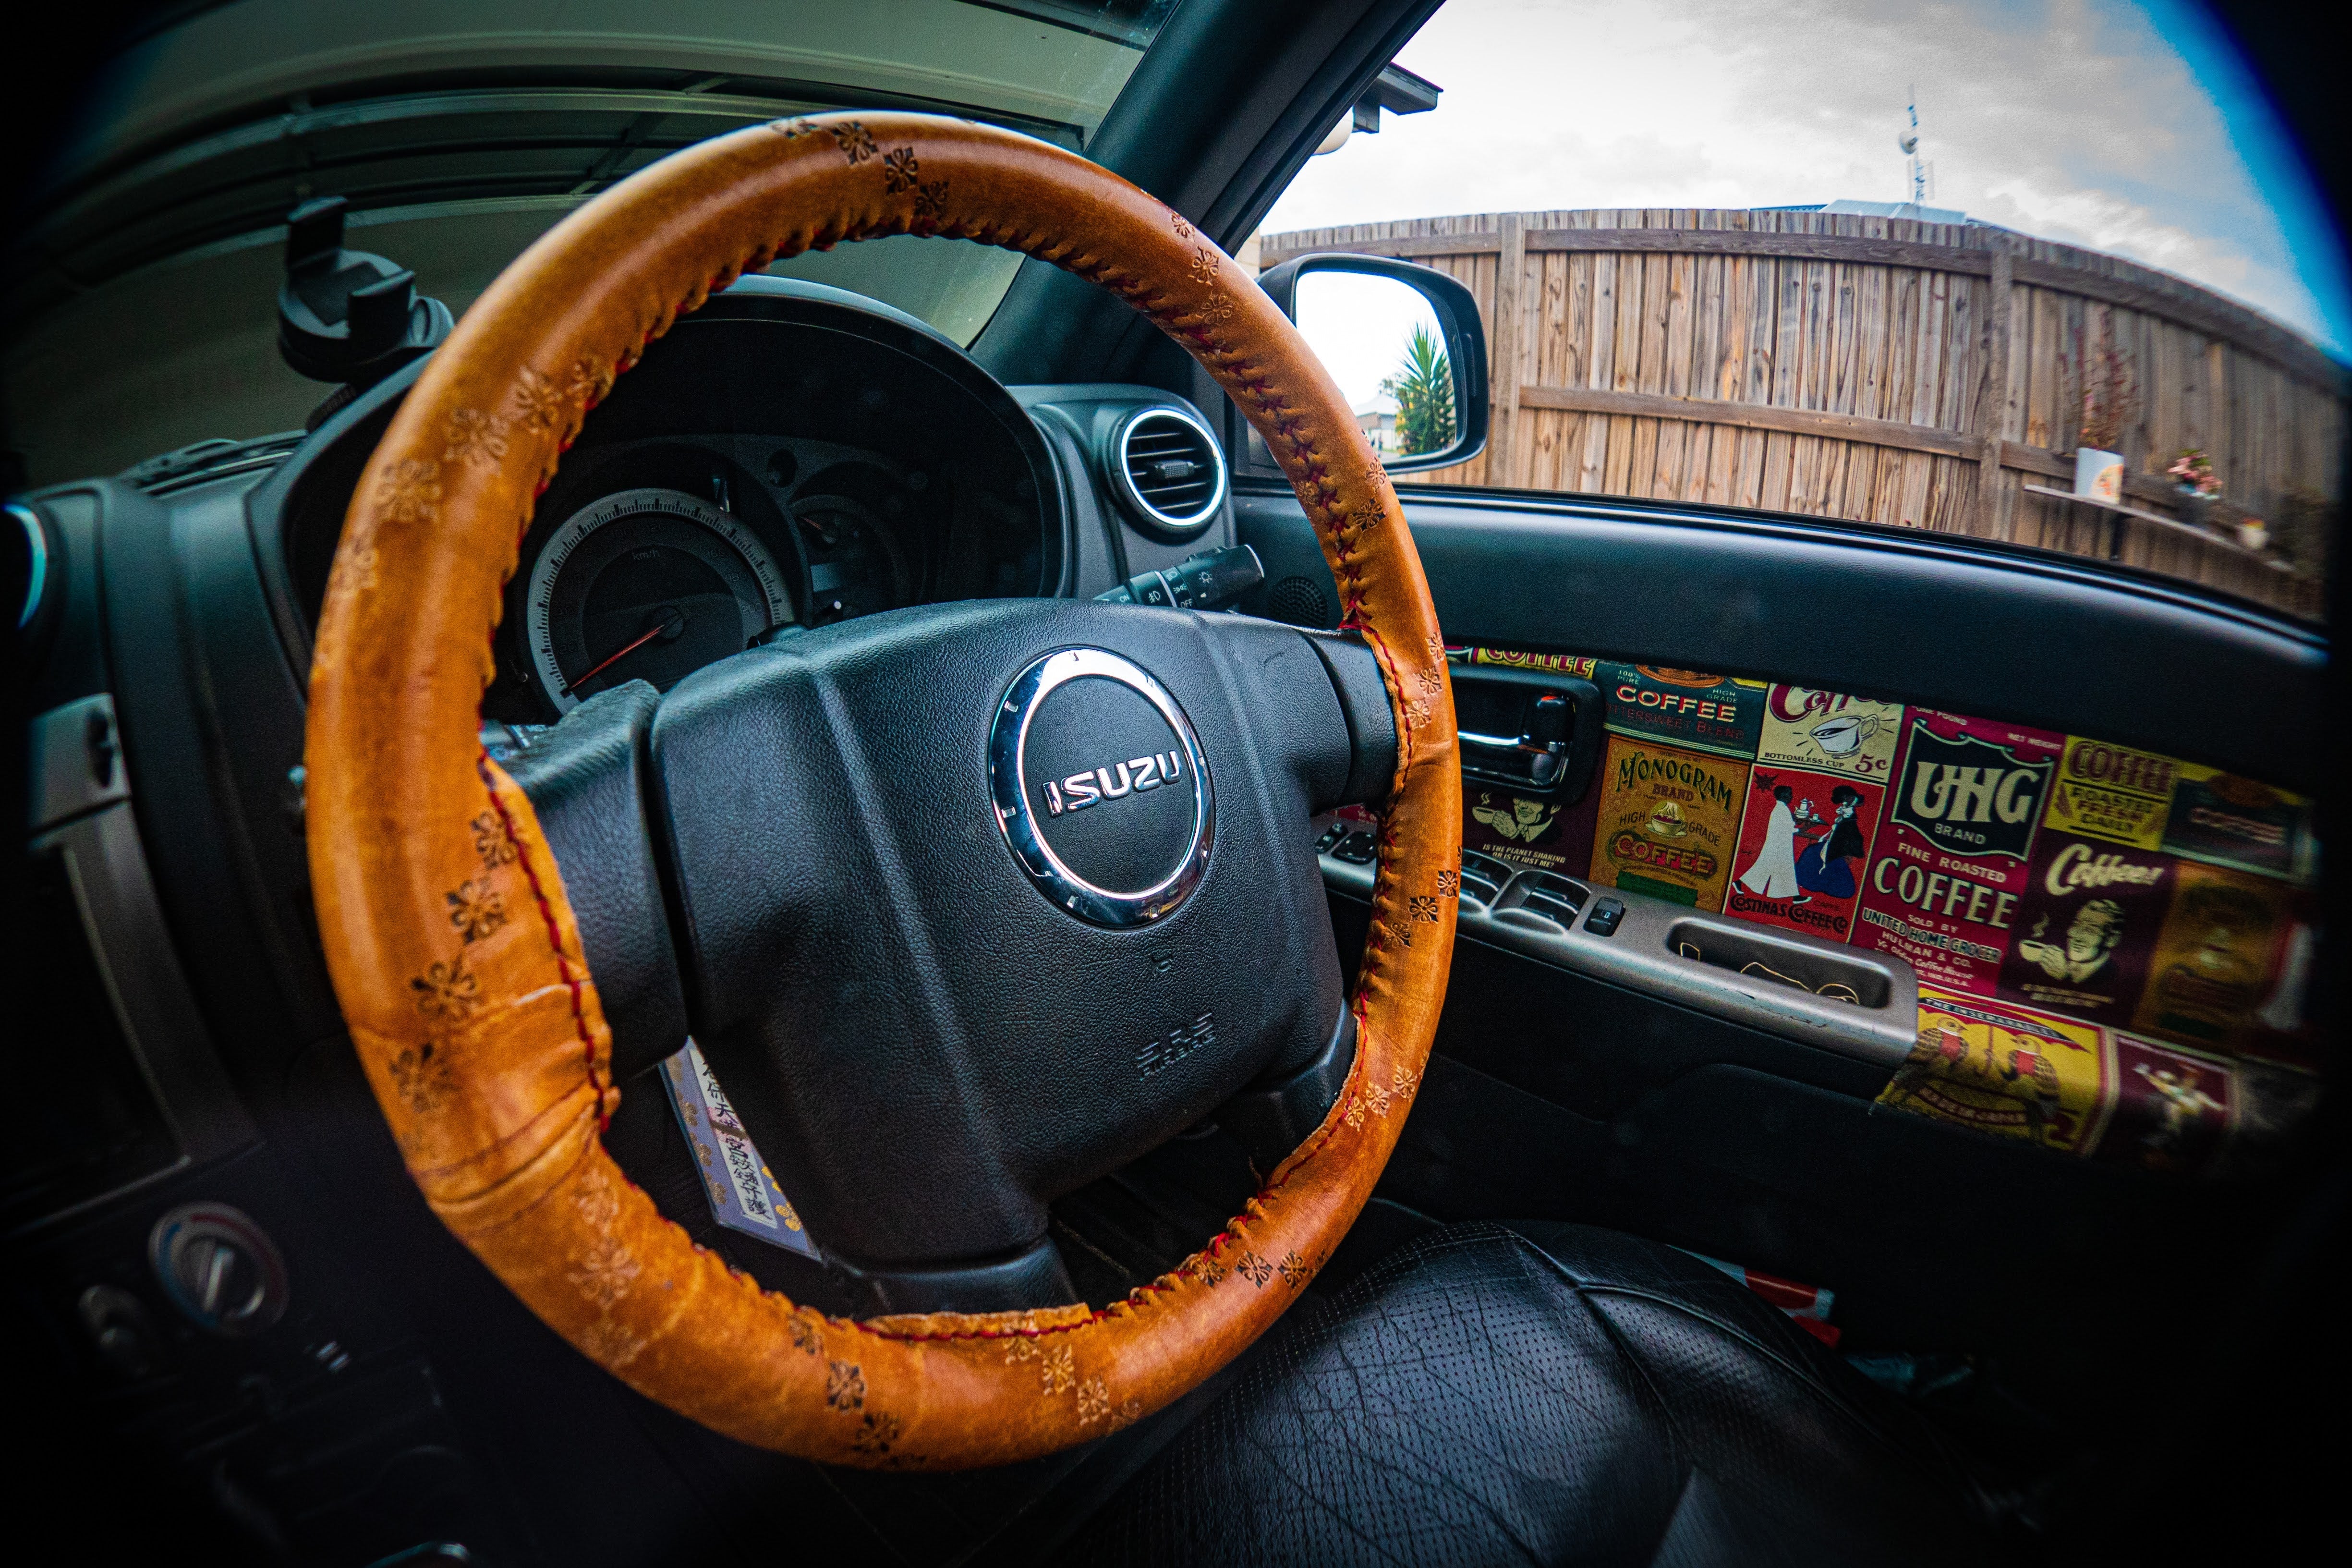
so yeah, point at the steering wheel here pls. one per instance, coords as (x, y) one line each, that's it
(857, 825)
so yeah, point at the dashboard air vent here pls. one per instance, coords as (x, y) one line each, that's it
(1169, 471)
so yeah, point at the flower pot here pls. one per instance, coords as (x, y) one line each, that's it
(2253, 534)
(2098, 476)
(2194, 510)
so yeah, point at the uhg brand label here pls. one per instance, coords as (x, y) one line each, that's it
(1969, 795)
(1950, 867)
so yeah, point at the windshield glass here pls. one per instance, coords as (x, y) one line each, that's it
(459, 131)
(2048, 273)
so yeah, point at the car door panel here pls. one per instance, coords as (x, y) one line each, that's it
(1554, 1095)
(1848, 1002)
(1972, 628)
(1664, 1094)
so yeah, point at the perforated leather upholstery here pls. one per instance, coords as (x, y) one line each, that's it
(1546, 1393)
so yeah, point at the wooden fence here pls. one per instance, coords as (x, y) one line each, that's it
(1878, 369)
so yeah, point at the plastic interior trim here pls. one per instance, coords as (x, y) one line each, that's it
(1640, 956)
(1191, 523)
(1895, 614)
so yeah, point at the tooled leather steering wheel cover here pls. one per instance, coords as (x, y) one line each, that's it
(454, 951)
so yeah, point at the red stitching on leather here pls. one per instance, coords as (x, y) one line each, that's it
(1376, 939)
(576, 983)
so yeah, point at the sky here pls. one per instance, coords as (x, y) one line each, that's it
(2128, 128)
(1359, 327)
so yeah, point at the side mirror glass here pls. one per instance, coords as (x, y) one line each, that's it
(1405, 345)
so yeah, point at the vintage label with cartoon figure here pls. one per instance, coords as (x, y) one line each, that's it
(2225, 820)
(1949, 866)
(1668, 822)
(2173, 1111)
(2283, 1028)
(1804, 845)
(2004, 1070)
(2213, 967)
(1528, 830)
(1683, 707)
(1830, 733)
(2112, 793)
(2085, 927)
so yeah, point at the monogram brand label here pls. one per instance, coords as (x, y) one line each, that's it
(1668, 821)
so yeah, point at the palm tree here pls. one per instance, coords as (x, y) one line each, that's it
(1424, 389)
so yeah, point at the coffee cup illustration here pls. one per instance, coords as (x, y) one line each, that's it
(1845, 734)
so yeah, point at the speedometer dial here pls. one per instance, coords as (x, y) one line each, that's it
(855, 566)
(647, 585)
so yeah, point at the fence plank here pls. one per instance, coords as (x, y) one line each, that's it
(1624, 369)
(1942, 364)
(2133, 287)
(1706, 306)
(1730, 358)
(1992, 516)
(1505, 348)
(1807, 422)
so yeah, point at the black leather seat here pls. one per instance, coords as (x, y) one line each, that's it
(1542, 1393)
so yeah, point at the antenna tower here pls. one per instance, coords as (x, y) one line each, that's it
(1909, 142)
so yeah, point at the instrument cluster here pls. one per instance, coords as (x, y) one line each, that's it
(788, 458)
(666, 556)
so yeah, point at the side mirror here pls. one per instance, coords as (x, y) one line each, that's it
(1406, 347)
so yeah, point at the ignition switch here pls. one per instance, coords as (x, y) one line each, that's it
(219, 1268)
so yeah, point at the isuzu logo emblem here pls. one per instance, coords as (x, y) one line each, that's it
(1099, 787)
(1081, 790)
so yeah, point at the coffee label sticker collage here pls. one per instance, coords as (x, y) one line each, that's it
(2112, 946)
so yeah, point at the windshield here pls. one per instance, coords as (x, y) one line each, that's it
(459, 131)
(1053, 66)
(2047, 273)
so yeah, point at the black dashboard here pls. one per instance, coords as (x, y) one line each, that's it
(788, 458)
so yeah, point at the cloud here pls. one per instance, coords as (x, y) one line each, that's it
(2079, 120)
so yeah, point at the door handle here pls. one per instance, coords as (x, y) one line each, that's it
(1538, 733)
